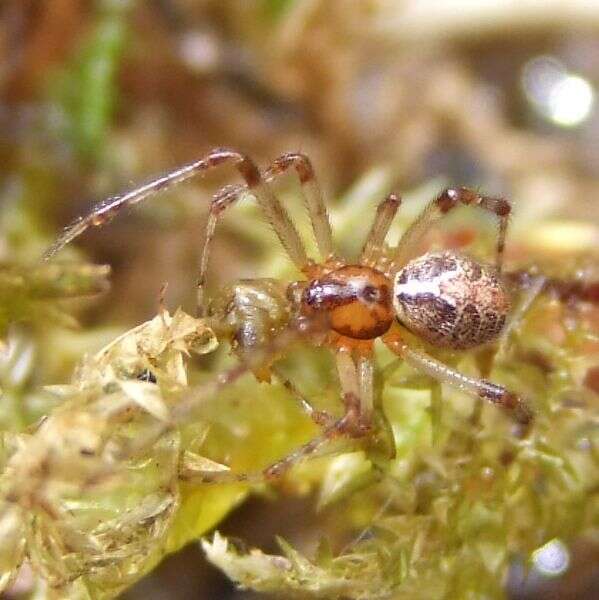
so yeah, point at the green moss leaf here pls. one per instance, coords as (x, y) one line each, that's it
(86, 91)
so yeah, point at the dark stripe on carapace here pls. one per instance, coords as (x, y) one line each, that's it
(356, 298)
(329, 294)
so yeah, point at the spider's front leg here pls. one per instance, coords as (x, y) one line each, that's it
(480, 388)
(103, 212)
(313, 201)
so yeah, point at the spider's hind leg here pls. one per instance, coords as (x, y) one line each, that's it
(481, 388)
(445, 202)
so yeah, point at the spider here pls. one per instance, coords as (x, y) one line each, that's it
(446, 299)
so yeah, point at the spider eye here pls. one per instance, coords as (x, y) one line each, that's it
(370, 293)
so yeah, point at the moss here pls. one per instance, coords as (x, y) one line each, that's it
(85, 91)
(111, 479)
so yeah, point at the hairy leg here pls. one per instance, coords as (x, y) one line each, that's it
(478, 387)
(321, 418)
(106, 210)
(353, 424)
(280, 467)
(374, 244)
(365, 372)
(313, 198)
(223, 199)
(527, 297)
(443, 204)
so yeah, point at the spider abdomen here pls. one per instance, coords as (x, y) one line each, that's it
(450, 300)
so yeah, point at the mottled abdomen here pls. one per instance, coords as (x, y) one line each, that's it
(450, 300)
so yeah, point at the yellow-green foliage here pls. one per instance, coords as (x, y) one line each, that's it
(90, 490)
(461, 499)
(84, 92)
(110, 478)
(103, 475)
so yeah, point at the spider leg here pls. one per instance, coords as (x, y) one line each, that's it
(106, 210)
(280, 467)
(353, 424)
(478, 387)
(221, 201)
(319, 417)
(225, 197)
(336, 430)
(365, 372)
(313, 200)
(312, 196)
(373, 247)
(445, 202)
(528, 296)
(356, 380)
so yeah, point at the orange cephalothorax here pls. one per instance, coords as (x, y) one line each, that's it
(356, 298)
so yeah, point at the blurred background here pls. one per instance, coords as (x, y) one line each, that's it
(406, 95)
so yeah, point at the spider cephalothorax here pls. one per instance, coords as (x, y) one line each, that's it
(447, 299)
(357, 299)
